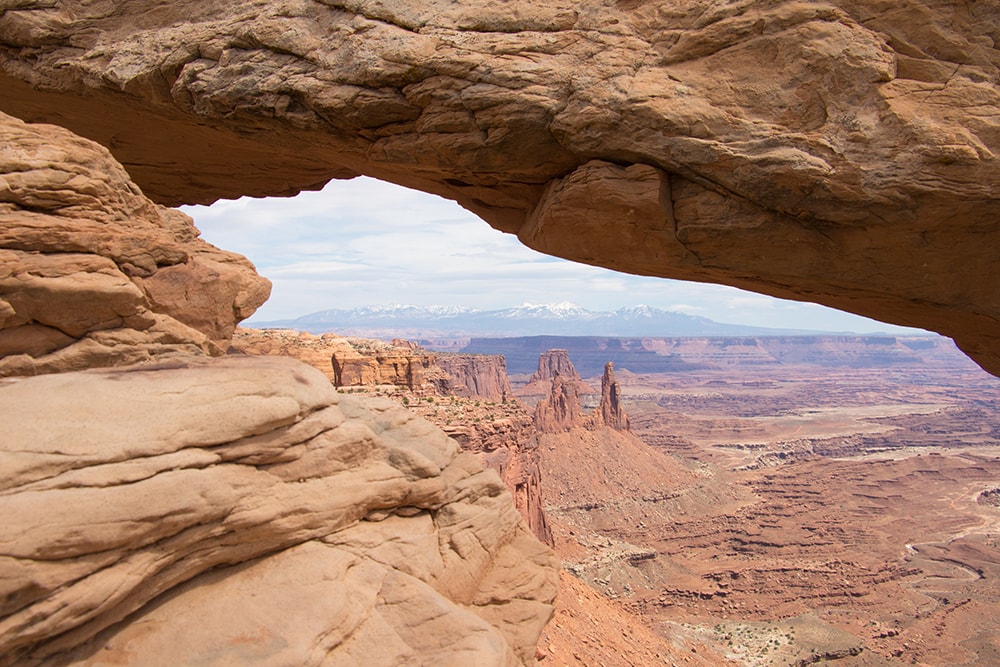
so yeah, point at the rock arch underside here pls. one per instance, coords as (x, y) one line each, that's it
(837, 152)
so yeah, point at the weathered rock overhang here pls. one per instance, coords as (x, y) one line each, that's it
(837, 152)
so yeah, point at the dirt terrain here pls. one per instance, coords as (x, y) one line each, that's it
(787, 516)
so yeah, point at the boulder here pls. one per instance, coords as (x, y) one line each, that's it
(92, 273)
(240, 511)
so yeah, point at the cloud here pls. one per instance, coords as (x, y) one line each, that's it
(365, 242)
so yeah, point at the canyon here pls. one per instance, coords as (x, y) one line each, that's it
(752, 507)
(667, 355)
(829, 504)
(780, 516)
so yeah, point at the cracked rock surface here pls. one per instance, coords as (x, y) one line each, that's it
(92, 273)
(839, 151)
(240, 511)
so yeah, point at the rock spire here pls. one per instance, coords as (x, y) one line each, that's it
(610, 412)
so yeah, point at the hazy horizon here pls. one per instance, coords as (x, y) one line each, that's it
(365, 242)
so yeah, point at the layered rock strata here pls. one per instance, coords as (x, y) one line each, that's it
(477, 376)
(348, 362)
(92, 273)
(552, 363)
(839, 151)
(505, 438)
(360, 362)
(364, 362)
(225, 509)
(610, 412)
(562, 411)
(504, 442)
(306, 347)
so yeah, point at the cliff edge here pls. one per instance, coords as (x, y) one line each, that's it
(237, 508)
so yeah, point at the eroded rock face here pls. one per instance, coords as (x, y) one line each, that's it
(306, 347)
(505, 444)
(610, 412)
(842, 152)
(240, 506)
(92, 273)
(477, 376)
(561, 411)
(366, 362)
(552, 363)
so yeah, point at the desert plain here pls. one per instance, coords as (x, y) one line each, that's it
(795, 514)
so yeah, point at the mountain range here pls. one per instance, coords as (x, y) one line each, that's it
(565, 319)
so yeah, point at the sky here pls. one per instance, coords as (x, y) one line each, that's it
(365, 242)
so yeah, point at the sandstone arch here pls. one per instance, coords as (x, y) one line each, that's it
(841, 152)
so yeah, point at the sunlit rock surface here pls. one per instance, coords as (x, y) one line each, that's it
(92, 273)
(240, 511)
(842, 152)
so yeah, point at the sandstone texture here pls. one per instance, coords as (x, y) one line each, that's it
(504, 437)
(839, 151)
(359, 361)
(92, 273)
(477, 376)
(348, 362)
(367, 362)
(551, 363)
(610, 412)
(562, 409)
(241, 511)
(306, 347)
(445, 389)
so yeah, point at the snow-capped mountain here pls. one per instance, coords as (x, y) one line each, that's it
(388, 313)
(559, 311)
(567, 319)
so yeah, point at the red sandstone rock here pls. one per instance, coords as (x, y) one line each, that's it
(552, 363)
(362, 362)
(95, 274)
(609, 412)
(476, 376)
(505, 444)
(561, 411)
(241, 506)
(843, 152)
(306, 347)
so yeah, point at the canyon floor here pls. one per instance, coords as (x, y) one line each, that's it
(795, 515)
